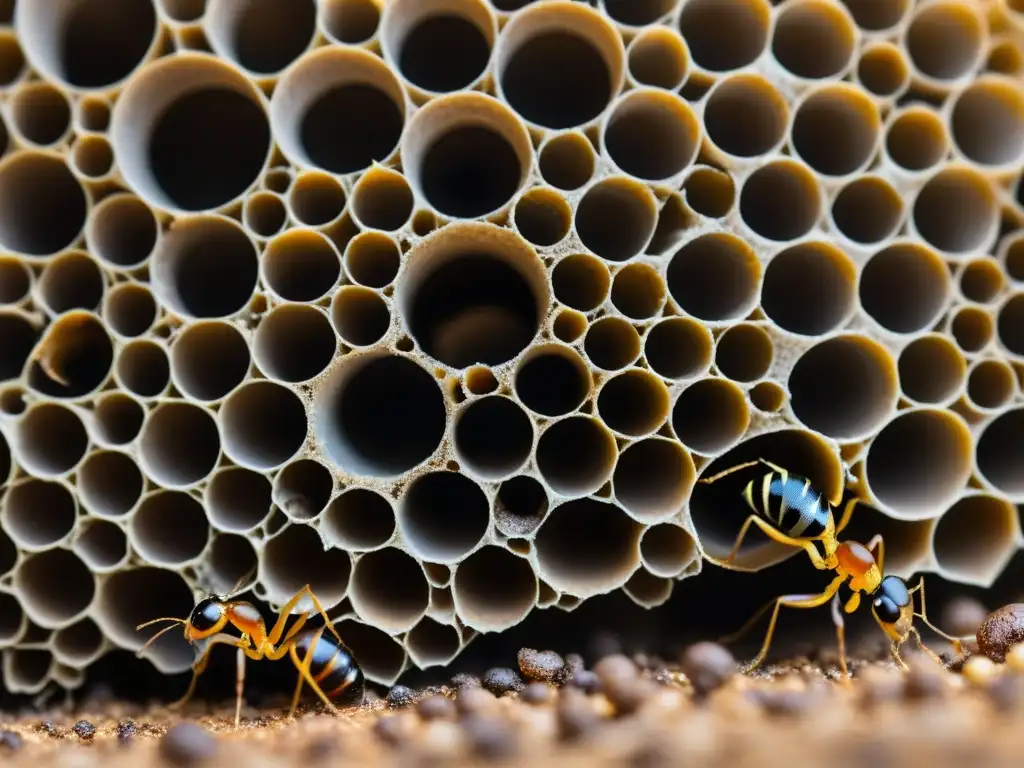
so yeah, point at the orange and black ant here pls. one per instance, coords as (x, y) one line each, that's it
(323, 661)
(790, 511)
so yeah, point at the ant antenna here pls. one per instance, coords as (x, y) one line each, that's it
(175, 622)
(238, 588)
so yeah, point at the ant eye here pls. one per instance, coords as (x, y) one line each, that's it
(206, 615)
(886, 610)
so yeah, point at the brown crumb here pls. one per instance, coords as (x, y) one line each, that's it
(546, 666)
(187, 745)
(84, 730)
(962, 616)
(615, 667)
(472, 700)
(400, 696)
(1000, 630)
(576, 719)
(436, 707)
(502, 680)
(586, 680)
(537, 693)
(707, 666)
(490, 737)
(463, 680)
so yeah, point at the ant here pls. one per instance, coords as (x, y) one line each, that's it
(790, 511)
(323, 661)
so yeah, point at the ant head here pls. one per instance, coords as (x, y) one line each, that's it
(207, 618)
(893, 608)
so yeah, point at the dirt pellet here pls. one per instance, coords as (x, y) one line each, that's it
(187, 745)
(400, 696)
(1000, 630)
(10, 741)
(574, 663)
(126, 730)
(586, 680)
(879, 686)
(490, 737)
(628, 694)
(320, 749)
(536, 693)
(923, 683)
(436, 707)
(50, 729)
(615, 667)
(392, 730)
(576, 719)
(1006, 692)
(546, 666)
(84, 730)
(502, 680)
(472, 700)
(963, 616)
(707, 666)
(786, 703)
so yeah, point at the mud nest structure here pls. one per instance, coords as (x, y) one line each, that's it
(443, 306)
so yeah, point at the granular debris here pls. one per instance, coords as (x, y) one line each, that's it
(501, 680)
(1002, 629)
(84, 730)
(546, 666)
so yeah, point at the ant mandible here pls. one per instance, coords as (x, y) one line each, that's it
(790, 511)
(323, 661)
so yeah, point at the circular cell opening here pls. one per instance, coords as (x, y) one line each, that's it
(209, 359)
(956, 211)
(659, 57)
(303, 488)
(38, 513)
(15, 280)
(205, 266)
(883, 70)
(710, 415)
(467, 154)
(359, 519)
(710, 192)
(40, 113)
(904, 264)
(494, 589)
(652, 134)
(312, 108)
(109, 483)
(850, 120)
(443, 516)
(122, 231)
(809, 288)
(981, 280)
(542, 216)
(130, 309)
(1010, 325)
(233, 562)
(666, 549)
(372, 259)
(382, 199)
(920, 462)
(102, 545)
(1000, 453)
(874, 16)
(844, 387)
(12, 60)
(975, 537)
(973, 329)
(616, 218)
(118, 419)
(814, 39)
(725, 36)
(296, 557)
(1013, 258)
(238, 499)
(612, 343)
(715, 277)
(987, 122)
(143, 368)
(553, 381)
(71, 281)
(991, 384)
(678, 348)
(602, 560)
(180, 444)
(638, 291)
(520, 506)
(300, 265)
(576, 455)
(72, 359)
(263, 424)
(92, 156)
(745, 115)
(380, 415)
(916, 139)
(190, 133)
(350, 21)
(55, 586)
(633, 403)
(638, 13)
(767, 397)
(264, 214)
(260, 36)
(50, 440)
(945, 39)
(91, 44)
(473, 294)
(567, 161)
(493, 437)
(389, 589)
(360, 316)
(653, 478)
(780, 201)
(931, 369)
(316, 198)
(569, 325)
(42, 206)
(744, 353)
(559, 66)
(294, 343)
(580, 281)
(868, 210)
(169, 528)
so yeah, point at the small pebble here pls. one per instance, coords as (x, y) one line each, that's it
(1006, 692)
(546, 666)
(10, 741)
(536, 693)
(472, 700)
(84, 730)
(490, 737)
(576, 719)
(785, 702)
(1000, 630)
(320, 749)
(186, 745)
(707, 666)
(436, 708)
(50, 729)
(400, 696)
(1015, 657)
(923, 683)
(501, 680)
(126, 731)
(462, 680)
(963, 616)
(980, 670)
(615, 667)
(879, 686)
(586, 680)
(628, 694)
(392, 729)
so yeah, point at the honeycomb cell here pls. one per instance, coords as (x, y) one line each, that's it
(296, 557)
(130, 309)
(883, 70)
(382, 199)
(780, 201)
(999, 454)
(710, 415)
(653, 478)
(102, 545)
(179, 445)
(678, 348)
(809, 289)
(974, 538)
(552, 381)
(633, 403)
(359, 519)
(260, 36)
(542, 216)
(122, 231)
(42, 206)
(389, 590)
(658, 57)
(576, 455)
(715, 277)
(746, 116)
(494, 589)
(300, 265)
(945, 40)
(294, 343)
(814, 39)
(443, 516)
(237, 499)
(38, 513)
(109, 483)
(372, 259)
(651, 134)
(55, 587)
(932, 370)
(567, 160)
(725, 36)
(905, 263)
(169, 528)
(262, 425)
(493, 437)
(616, 218)
(350, 21)
(209, 359)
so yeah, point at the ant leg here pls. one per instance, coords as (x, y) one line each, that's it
(303, 667)
(958, 644)
(847, 515)
(303, 664)
(837, 619)
(792, 601)
(200, 665)
(287, 608)
(877, 547)
(239, 686)
(897, 658)
(729, 471)
(774, 535)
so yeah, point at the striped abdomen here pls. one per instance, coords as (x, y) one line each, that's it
(790, 503)
(332, 665)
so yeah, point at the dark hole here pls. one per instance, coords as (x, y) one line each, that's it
(444, 53)
(557, 80)
(520, 506)
(104, 40)
(551, 385)
(349, 127)
(470, 171)
(208, 147)
(271, 35)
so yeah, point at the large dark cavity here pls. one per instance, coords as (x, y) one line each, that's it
(103, 41)
(444, 53)
(470, 171)
(349, 127)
